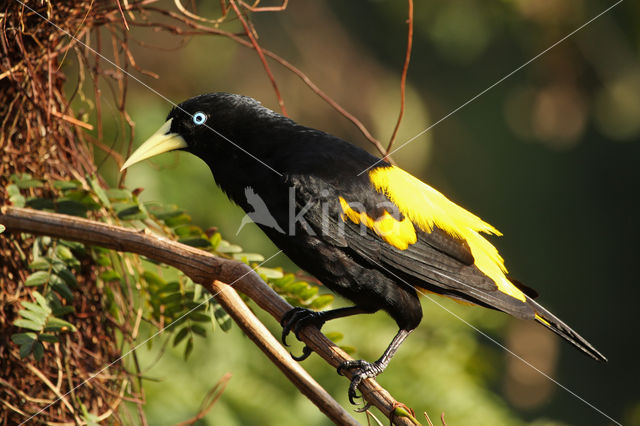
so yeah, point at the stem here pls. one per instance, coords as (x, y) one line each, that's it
(403, 79)
(213, 272)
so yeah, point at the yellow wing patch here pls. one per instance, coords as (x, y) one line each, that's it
(397, 233)
(426, 208)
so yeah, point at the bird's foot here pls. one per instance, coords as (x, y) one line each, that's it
(295, 320)
(363, 370)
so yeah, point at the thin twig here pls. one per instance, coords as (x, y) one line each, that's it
(258, 49)
(256, 8)
(403, 79)
(212, 271)
(203, 30)
(72, 120)
(209, 400)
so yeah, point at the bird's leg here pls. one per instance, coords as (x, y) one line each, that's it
(365, 370)
(298, 318)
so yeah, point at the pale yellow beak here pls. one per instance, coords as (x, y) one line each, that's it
(161, 141)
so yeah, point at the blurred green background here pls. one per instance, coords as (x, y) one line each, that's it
(550, 156)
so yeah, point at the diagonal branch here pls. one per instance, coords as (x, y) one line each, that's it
(212, 272)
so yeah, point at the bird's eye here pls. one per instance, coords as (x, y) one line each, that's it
(199, 118)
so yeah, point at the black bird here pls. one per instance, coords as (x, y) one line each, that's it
(368, 230)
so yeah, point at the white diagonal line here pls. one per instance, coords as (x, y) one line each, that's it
(494, 85)
(149, 338)
(492, 339)
(275, 171)
(147, 86)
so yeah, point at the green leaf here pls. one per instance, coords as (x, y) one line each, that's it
(38, 316)
(198, 316)
(41, 300)
(102, 195)
(180, 335)
(103, 260)
(298, 288)
(334, 336)
(195, 242)
(13, 190)
(57, 324)
(153, 278)
(188, 231)
(2, 228)
(197, 291)
(308, 292)
(118, 194)
(215, 240)
(83, 197)
(226, 247)
(269, 273)
(284, 281)
(66, 185)
(195, 305)
(321, 301)
(17, 200)
(38, 350)
(36, 308)
(71, 207)
(68, 277)
(23, 338)
(174, 221)
(127, 208)
(89, 418)
(130, 212)
(29, 183)
(14, 196)
(48, 338)
(74, 246)
(171, 298)
(62, 288)
(173, 310)
(37, 278)
(164, 212)
(53, 300)
(27, 347)
(64, 253)
(40, 203)
(348, 349)
(63, 310)
(248, 257)
(40, 264)
(189, 348)
(223, 318)
(199, 330)
(15, 177)
(24, 323)
(110, 275)
(170, 287)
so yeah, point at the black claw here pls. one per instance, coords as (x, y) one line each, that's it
(295, 320)
(353, 394)
(364, 370)
(364, 408)
(291, 318)
(306, 351)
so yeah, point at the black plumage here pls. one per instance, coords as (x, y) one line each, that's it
(294, 169)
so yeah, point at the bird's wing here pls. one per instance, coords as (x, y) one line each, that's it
(399, 224)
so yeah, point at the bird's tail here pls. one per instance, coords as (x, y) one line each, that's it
(554, 324)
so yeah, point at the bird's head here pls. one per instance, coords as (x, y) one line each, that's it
(204, 125)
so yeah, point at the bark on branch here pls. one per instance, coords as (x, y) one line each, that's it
(213, 272)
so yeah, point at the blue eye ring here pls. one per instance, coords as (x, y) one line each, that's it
(199, 118)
